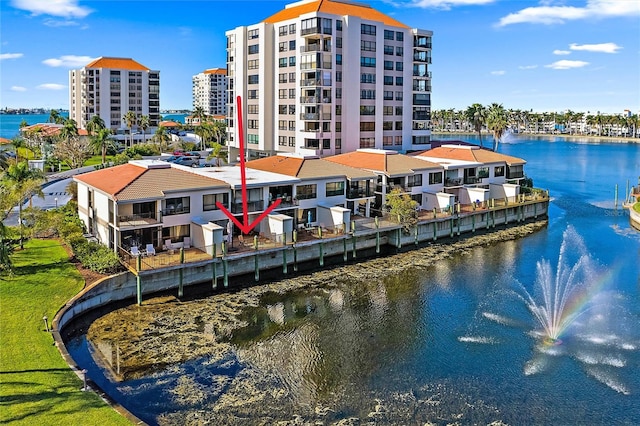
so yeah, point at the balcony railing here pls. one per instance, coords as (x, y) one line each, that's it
(314, 48)
(469, 180)
(452, 182)
(310, 99)
(171, 211)
(359, 193)
(137, 219)
(252, 206)
(515, 175)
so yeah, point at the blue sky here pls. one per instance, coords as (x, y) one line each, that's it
(582, 55)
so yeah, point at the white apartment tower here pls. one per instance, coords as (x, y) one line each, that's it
(110, 87)
(210, 91)
(323, 77)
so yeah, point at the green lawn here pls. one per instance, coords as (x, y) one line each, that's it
(36, 385)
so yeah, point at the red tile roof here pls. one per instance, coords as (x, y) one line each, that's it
(169, 124)
(282, 164)
(364, 11)
(49, 129)
(465, 153)
(112, 180)
(389, 163)
(117, 63)
(221, 71)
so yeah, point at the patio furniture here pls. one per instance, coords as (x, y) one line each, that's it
(135, 251)
(186, 242)
(151, 250)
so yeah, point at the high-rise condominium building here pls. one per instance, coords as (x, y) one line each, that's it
(109, 88)
(323, 77)
(210, 91)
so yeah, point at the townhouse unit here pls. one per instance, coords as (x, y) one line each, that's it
(111, 87)
(323, 77)
(210, 91)
(473, 174)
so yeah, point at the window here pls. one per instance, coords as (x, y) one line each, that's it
(292, 124)
(209, 201)
(282, 30)
(367, 29)
(399, 36)
(292, 28)
(252, 34)
(254, 139)
(339, 42)
(414, 180)
(387, 140)
(367, 126)
(282, 124)
(387, 110)
(292, 45)
(388, 80)
(388, 35)
(338, 76)
(398, 125)
(292, 77)
(399, 51)
(254, 48)
(338, 25)
(309, 26)
(388, 65)
(368, 46)
(367, 142)
(387, 125)
(292, 61)
(399, 66)
(252, 109)
(435, 178)
(398, 110)
(338, 109)
(367, 94)
(252, 124)
(399, 81)
(483, 172)
(365, 61)
(282, 78)
(388, 50)
(334, 188)
(292, 108)
(327, 25)
(282, 140)
(399, 96)
(282, 46)
(388, 95)
(253, 79)
(253, 64)
(282, 94)
(367, 78)
(176, 206)
(306, 192)
(498, 171)
(338, 93)
(338, 143)
(282, 62)
(292, 94)
(367, 110)
(338, 126)
(338, 59)
(292, 141)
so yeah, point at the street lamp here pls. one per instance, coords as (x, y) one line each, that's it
(56, 200)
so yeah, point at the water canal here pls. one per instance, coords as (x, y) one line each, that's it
(425, 336)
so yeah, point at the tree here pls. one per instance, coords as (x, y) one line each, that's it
(496, 122)
(218, 154)
(402, 209)
(131, 119)
(102, 141)
(69, 129)
(73, 151)
(19, 182)
(476, 114)
(200, 114)
(219, 131)
(55, 117)
(161, 137)
(143, 123)
(95, 124)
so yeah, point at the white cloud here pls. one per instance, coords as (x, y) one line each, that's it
(69, 61)
(58, 23)
(601, 47)
(18, 89)
(4, 56)
(561, 52)
(61, 8)
(499, 72)
(51, 86)
(546, 14)
(527, 67)
(446, 4)
(566, 65)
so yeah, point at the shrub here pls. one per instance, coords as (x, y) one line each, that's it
(98, 258)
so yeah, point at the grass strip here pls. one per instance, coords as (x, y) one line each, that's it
(36, 385)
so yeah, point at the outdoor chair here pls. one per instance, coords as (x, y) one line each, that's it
(167, 245)
(186, 242)
(151, 250)
(135, 251)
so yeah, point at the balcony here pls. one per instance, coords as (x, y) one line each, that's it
(252, 206)
(515, 174)
(310, 99)
(358, 193)
(450, 182)
(314, 48)
(171, 211)
(141, 219)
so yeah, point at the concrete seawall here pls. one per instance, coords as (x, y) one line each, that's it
(634, 218)
(293, 258)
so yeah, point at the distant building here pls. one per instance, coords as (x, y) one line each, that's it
(210, 91)
(110, 87)
(324, 77)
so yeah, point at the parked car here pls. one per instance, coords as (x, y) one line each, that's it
(194, 154)
(178, 152)
(187, 161)
(170, 159)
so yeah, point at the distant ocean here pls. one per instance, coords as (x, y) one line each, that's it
(10, 124)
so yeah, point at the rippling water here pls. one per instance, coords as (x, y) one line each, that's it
(451, 343)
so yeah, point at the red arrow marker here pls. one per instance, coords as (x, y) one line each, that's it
(245, 227)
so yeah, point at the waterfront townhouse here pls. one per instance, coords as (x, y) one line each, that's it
(323, 77)
(210, 91)
(150, 202)
(475, 174)
(111, 87)
(327, 194)
(395, 171)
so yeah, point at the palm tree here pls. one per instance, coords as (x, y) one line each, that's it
(21, 182)
(476, 114)
(496, 122)
(161, 137)
(69, 129)
(130, 118)
(101, 141)
(219, 130)
(217, 153)
(55, 117)
(95, 124)
(200, 114)
(143, 123)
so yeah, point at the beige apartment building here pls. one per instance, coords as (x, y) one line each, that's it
(324, 77)
(109, 88)
(210, 91)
